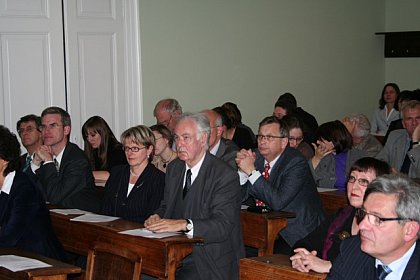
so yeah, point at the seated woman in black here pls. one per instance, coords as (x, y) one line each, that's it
(134, 190)
(24, 217)
(317, 250)
(101, 147)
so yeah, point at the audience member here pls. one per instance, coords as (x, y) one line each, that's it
(208, 206)
(163, 153)
(62, 168)
(279, 177)
(334, 155)
(30, 136)
(224, 149)
(167, 112)
(24, 217)
(389, 228)
(387, 111)
(101, 147)
(359, 127)
(242, 135)
(133, 191)
(402, 149)
(296, 137)
(283, 108)
(319, 248)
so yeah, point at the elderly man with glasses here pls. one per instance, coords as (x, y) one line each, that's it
(278, 177)
(167, 112)
(389, 224)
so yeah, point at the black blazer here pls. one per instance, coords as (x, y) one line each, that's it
(353, 263)
(73, 186)
(144, 198)
(25, 220)
(291, 188)
(227, 152)
(213, 203)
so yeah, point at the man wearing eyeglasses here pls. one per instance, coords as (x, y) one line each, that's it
(167, 112)
(61, 168)
(389, 224)
(279, 177)
(30, 136)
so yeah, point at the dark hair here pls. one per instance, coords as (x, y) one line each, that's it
(292, 122)
(225, 120)
(369, 163)
(165, 132)
(382, 100)
(9, 150)
(337, 133)
(233, 113)
(108, 141)
(65, 117)
(283, 128)
(288, 97)
(286, 105)
(29, 118)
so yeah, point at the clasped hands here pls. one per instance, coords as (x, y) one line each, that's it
(305, 261)
(44, 153)
(156, 224)
(245, 159)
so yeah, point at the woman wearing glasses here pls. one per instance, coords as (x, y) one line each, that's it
(317, 250)
(133, 191)
(295, 128)
(163, 153)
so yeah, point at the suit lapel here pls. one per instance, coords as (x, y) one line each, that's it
(412, 268)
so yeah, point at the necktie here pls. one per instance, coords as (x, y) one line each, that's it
(405, 167)
(266, 176)
(57, 166)
(187, 184)
(27, 163)
(382, 271)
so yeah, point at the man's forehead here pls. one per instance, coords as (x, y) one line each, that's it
(380, 203)
(274, 127)
(185, 126)
(412, 111)
(28, 123)
(51, 117)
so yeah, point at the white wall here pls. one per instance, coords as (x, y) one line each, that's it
(204, 53)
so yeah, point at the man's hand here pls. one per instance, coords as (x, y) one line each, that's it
(44, 153)
(245, 159)
(166, 225)
(151, 220)
(305, 261)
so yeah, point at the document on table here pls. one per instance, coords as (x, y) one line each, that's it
(325, 190)
(17, 263)
(69, 211)
(149, 234)
(94, 218)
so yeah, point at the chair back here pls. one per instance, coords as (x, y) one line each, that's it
(107, 261)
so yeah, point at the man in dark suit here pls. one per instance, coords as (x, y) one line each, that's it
(30, 136)
(222, 148)
(279, 177)
(207, 206)
(61, 167)
(389, 228)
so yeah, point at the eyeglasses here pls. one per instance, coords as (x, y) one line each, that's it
(49, 126)
(297, 139)
(29, 129)
(268, 138)
(361, 181)
(132, 149)
(166, 123)
(373, 219)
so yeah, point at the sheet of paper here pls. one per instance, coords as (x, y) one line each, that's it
(149, 234)
(94, 218)
(17, 263)
(326, 190)
(69, 211)
(244, 207)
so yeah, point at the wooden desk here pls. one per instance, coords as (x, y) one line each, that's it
(58, 270)
(332, 200)
(160, 257)
(273, 267)
(260, 230)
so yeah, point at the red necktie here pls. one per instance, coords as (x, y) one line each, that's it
(266, 176)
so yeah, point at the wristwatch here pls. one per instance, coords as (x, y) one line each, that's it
(189, 225)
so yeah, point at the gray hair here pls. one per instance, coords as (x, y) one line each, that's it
(169, 105)
(362, 124)
(412, 104)
(406, 191)
(65, 117)
(202, 122)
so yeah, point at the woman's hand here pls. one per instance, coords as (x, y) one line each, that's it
(305, 261)
(322, 148)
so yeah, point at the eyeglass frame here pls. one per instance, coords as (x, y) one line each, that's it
(29, 129)
(268, 138)
(351, 179)
(166, 122)
(378, 220)
(133, 149)
(297, 139)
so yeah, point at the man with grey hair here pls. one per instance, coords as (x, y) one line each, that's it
(359, 127)
(402, 149)
(389, 228)
(167, 112)
(202, 197)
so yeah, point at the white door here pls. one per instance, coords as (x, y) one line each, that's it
(32, 58)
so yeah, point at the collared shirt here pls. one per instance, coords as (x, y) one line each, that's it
(214, 150)
(255, 175)
(398, 266)
(57, 158)
(8, 181)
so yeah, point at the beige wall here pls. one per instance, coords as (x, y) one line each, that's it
(206, 52)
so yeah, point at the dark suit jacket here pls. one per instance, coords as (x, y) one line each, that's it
(213, 203)
(352, 263)
(292, 188)
(25, 220)
(144, 198)
(73, 186)
(227, 152)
